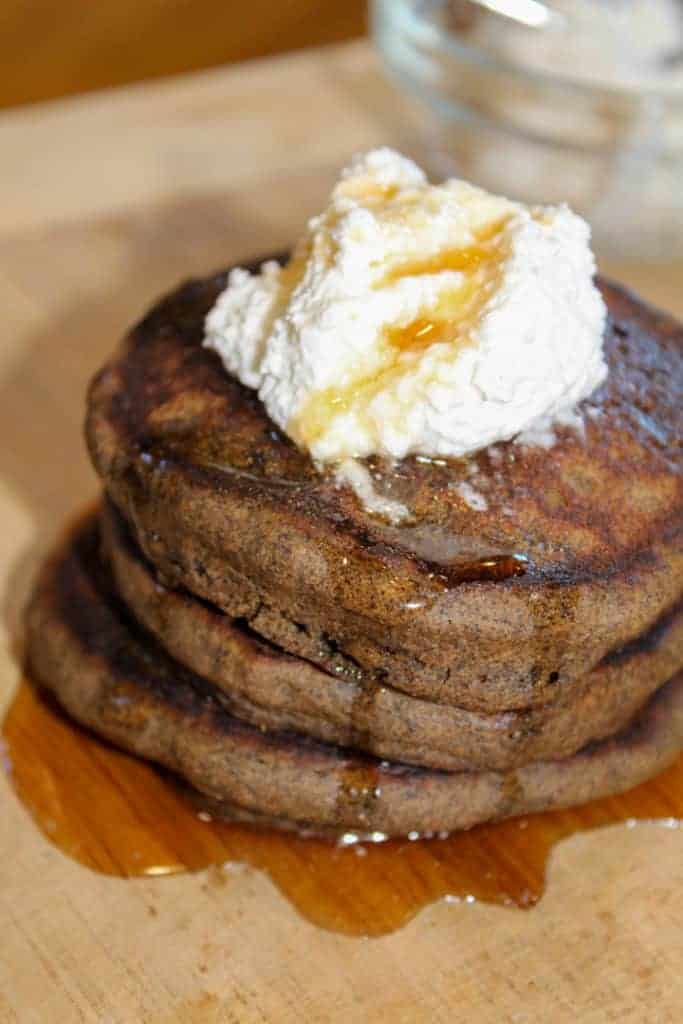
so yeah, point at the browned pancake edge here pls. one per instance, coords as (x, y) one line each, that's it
(226, 506)
(85, 649)
(264, 685)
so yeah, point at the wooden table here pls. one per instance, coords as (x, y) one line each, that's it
(107, 201)
(52, 48)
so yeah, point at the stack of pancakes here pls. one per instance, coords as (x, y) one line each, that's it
(238, 617)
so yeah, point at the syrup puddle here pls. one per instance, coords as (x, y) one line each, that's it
(120, 816)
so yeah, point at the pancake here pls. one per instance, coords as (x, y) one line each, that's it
(264, 685)
(577, 551)
(84, 647)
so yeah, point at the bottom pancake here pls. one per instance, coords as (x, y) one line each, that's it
(111, 676)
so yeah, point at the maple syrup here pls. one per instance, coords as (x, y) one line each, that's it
(451, 321)
(486, 248)
(119, 815)
(359, 789)
(453, 558)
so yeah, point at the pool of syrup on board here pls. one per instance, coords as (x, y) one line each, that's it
(120, 816)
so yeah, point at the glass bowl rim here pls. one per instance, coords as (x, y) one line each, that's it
(404, 12)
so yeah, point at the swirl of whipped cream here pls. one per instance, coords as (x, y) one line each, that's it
(417, 319)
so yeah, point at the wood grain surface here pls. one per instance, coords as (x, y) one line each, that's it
(121, 816)
(108, 201)
(52, 48)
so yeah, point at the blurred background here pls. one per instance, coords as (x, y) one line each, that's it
(542, 100)
(51, 48)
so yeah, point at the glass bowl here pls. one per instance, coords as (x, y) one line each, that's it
(570, 100)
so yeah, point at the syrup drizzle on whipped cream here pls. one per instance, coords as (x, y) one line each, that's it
(417, 319)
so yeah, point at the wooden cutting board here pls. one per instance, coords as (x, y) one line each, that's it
(107, 201)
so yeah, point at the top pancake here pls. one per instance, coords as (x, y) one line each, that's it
(224, 504)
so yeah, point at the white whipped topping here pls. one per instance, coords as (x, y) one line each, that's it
(473, 498)
(358, 477)
(417, 319)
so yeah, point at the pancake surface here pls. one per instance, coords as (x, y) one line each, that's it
(111, 677)
(226, 506)
(265, 686)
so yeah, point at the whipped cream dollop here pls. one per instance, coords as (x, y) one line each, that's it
(417, 319)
